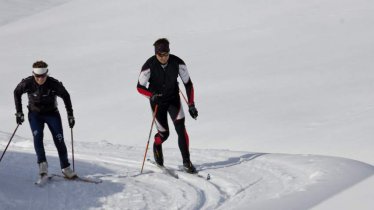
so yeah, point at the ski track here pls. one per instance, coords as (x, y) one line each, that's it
(193, 184)
(189, 191)
(238, 179)
(153, 181)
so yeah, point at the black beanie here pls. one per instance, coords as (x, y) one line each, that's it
(162, 46)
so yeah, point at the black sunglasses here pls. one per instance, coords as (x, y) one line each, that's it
(163, 54)
(40, 75)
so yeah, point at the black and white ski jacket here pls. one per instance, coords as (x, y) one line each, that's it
(162, 79)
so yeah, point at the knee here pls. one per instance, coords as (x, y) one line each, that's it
(164, 135)
(38, 134)
(179, 125)
(160, 137)
(59, 137)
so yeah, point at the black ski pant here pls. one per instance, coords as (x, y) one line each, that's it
(53, 120)
(175, 110)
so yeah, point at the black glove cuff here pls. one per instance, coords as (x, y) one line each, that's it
(19, 114)
(70, 113)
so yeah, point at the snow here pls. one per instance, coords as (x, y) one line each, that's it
(239, 180)
(283, 88)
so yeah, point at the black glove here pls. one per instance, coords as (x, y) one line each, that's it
(71, 119)
(193, 111)
(156, 98)
(20, 118)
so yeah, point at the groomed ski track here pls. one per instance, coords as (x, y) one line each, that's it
(239, 180)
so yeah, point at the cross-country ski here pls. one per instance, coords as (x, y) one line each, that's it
(78, 178)
(182, 169)
(42, 180)
(164, 169)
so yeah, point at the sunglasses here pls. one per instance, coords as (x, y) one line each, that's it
(165, 54)
(40, 75)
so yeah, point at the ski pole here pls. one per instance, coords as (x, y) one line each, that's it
(184, 97)
(72, 147)
(9, 142)
(149, 137)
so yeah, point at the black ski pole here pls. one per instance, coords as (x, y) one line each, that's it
(149, 137)
(72, 147)
(9, 142)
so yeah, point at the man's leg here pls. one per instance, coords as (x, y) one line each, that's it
(176, 113)
(37, 127)
(55, 126)
(183, 140)
(162, 134)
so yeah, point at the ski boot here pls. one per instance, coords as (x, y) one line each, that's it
(188, 167)
(43, 169)
(157, 153)
(69, 173)
(43, 174)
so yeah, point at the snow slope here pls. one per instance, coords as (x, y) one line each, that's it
(271, 73)
(288, 76)
(11, 11)
(239, 180)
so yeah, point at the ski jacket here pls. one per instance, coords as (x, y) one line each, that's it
(42, 98)
(162, 79)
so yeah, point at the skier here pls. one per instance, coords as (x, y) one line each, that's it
(42, 91)
(161, 72)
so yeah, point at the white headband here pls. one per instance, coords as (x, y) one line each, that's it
(40, 70)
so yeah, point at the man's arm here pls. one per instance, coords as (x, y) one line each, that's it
(184, 75)
(18, 91)
(143, 79)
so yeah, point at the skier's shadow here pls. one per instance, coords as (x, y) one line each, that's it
(19, 171)
(230, 161)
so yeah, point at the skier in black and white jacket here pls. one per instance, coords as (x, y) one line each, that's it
(160, 72)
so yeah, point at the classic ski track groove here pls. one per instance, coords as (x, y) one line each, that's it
(187, 177)
(277, 174)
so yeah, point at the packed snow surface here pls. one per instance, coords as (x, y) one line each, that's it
(238, 180)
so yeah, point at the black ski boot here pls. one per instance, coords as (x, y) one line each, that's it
(188, 167)
(157, 153)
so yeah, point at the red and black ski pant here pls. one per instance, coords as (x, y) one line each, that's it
(175, 110)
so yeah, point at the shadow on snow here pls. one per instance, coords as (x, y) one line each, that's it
(19, 171)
